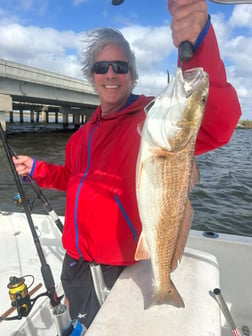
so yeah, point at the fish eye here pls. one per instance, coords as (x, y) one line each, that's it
(203, 99)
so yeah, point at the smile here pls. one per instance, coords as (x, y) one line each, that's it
(111, 86)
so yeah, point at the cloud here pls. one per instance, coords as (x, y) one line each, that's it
(45, 48)
(60, 50)
(241, 16)
(152, 47)
(221, 28)
(151, 83)
(151, 44)
(235, 44)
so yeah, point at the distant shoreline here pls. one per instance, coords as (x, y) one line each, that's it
(244, 124)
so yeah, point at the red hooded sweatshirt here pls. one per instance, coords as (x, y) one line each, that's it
(102, 223)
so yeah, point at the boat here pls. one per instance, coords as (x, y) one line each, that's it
(211, 261)
(19, 258)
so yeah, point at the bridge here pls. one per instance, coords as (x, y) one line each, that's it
(27, 88)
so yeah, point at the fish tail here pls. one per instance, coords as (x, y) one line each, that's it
(171, 297)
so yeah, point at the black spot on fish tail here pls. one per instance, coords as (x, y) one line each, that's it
(171, 297)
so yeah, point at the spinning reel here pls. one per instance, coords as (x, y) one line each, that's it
(21, 299)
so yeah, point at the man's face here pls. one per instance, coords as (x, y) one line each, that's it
(112, 88)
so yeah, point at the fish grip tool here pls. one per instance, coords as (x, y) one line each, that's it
(45, 268)
(185, 49)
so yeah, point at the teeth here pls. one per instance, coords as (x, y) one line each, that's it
(111, 86)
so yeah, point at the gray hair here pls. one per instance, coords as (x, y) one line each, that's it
(95, 41)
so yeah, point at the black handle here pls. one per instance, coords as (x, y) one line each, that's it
(185, 51)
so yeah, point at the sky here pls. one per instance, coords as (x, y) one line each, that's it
(48, 34)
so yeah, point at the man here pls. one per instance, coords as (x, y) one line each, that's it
(101, 221)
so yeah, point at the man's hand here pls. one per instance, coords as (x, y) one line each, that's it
(23, 164)
(189, 17)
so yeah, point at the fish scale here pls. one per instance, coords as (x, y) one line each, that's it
(171, 170)
(164, 174)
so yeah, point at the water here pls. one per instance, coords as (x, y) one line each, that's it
(222, 201)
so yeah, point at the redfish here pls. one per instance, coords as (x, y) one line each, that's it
(165, 175)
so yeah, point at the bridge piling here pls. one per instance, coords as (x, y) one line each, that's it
(5, 107)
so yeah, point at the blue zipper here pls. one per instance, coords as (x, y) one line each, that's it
(78, 194)
(79, 189)
(131, 226)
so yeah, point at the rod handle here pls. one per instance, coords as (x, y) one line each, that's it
(185, 51)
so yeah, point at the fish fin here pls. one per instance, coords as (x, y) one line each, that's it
(171, 297)
(140, 128)
(139, 176)
(160, 152)
(182, 235)
(142, 250)
(149, 106)
(195, 176)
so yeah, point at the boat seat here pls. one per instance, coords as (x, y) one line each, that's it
(123, 312)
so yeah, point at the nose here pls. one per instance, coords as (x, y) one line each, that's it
(110, 71)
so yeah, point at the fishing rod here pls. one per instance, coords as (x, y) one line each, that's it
(226, 312)
(20, 298)
(45, 268)
(53, 215)
(60, 311)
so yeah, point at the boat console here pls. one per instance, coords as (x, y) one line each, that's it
(124, 312)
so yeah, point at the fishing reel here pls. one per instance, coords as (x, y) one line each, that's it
(18, 201)
(20, 298)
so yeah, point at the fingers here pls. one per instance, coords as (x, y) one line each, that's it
(170, 5)
(23, 164)
(188, 19)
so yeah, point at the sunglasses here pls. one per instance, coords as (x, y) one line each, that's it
(119, 67)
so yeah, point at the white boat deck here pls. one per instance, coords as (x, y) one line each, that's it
(123, 312)
(234, 255)
(18, 258)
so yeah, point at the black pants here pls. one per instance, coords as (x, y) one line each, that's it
(79, 289)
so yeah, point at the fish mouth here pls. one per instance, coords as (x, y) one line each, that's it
(192, 79)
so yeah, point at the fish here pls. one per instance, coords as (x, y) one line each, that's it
(166, 172)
